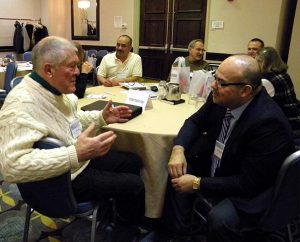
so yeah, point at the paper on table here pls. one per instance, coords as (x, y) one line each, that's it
(96, 96)
(133, 85)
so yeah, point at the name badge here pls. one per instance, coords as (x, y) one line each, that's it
(75, 128)
(219, 148)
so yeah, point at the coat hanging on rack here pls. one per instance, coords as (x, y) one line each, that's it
(18, 37)
(36, 32)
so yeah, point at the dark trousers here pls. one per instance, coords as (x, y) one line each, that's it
(115, 175)
(224, 221)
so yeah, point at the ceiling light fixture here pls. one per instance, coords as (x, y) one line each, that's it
(84, 4)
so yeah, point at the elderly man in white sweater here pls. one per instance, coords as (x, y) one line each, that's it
(43, 105)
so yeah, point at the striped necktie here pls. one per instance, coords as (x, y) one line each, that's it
(222, 137)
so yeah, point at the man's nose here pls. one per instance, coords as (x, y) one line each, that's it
(214, 84)
(77, 71)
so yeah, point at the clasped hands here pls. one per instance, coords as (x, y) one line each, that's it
(177, 166)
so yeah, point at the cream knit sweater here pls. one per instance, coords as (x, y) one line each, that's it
(31, 112)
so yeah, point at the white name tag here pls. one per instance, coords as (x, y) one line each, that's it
(139, 98)
(219, 148)
(75, 128)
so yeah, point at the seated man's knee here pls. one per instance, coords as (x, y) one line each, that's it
(222, 216)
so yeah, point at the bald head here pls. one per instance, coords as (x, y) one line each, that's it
(243, 67)
(238, 80)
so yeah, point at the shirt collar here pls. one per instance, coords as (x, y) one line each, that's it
(35, 76)
(126, 58)
(237, 112)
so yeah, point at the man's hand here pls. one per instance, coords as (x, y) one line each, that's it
(107, 83)
(177, 163)
(118, 114)
(89, 146)
(86, 67)
(110, 83)
(183, 184)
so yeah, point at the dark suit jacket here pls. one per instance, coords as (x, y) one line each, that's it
(258, 144)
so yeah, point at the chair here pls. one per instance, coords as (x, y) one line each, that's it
(27, 56)
(100, 54)
(95, 81)
(10, 73)
(16, 81)
(53, 197)
(10, 56)
(213, 67)
(92, 53)
(284, 207)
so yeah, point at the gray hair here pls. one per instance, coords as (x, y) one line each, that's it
(193, 42)
(52, 50)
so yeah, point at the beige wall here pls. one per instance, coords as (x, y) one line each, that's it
(109, 9)
(294, 53)
(243, 20)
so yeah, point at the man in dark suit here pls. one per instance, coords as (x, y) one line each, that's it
(233, 167)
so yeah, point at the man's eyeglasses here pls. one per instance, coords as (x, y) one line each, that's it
(221, 83)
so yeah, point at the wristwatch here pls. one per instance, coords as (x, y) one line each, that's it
(196, 183)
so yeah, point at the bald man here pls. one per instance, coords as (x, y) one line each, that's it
(234, 166)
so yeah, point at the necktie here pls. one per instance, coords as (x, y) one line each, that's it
(222, 137)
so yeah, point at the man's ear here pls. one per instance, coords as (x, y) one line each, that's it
(247, 90)
(48, 70)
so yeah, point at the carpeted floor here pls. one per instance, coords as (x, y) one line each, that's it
(12, 218)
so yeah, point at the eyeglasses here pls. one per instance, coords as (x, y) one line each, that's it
(221, 83)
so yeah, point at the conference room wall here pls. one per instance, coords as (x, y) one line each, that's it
(243, 19)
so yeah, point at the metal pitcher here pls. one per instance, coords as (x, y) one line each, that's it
(173, 92)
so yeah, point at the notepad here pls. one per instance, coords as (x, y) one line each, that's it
(100, 104)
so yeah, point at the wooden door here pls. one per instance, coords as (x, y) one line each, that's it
(166, 28)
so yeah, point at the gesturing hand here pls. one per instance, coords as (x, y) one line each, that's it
(118, 114)
(89, 146)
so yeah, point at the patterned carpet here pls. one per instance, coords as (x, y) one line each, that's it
(42, 228)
